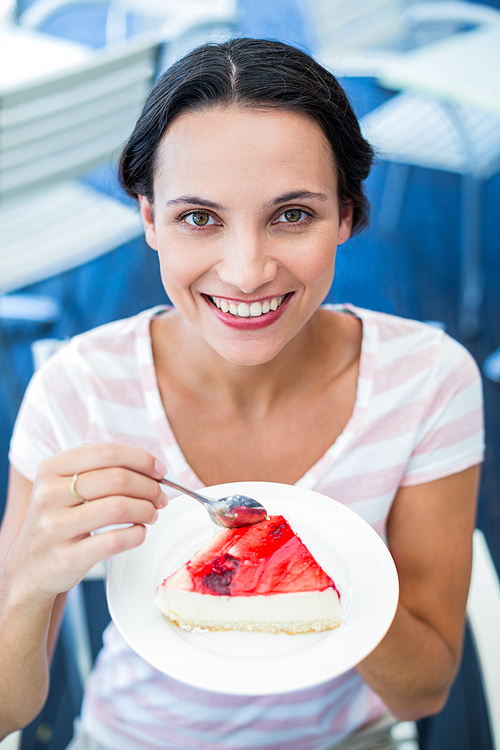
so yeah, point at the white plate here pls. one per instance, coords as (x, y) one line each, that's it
(240, 663)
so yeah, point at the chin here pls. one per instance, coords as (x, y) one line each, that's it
(247, 360)
(248, 354)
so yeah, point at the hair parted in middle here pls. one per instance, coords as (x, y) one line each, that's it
(259, 74)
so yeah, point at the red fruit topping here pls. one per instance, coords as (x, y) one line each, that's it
(218, 579)
(266, 558)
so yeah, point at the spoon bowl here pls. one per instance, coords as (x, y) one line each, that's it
(230, 512)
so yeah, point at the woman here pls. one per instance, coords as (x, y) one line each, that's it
(247, 163)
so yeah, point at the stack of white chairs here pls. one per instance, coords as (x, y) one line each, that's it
(52, 132)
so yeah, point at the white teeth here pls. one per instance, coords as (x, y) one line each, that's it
(243, 310)
(255, 309)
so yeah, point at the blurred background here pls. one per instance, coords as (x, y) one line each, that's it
(431, 252)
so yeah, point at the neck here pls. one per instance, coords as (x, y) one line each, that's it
(318, 353)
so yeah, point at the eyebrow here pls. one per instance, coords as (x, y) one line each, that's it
(195, 201)
(293, 195)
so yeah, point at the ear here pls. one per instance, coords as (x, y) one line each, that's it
(148, 221)
(345, 227)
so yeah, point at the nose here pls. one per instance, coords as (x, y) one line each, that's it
(248, 262)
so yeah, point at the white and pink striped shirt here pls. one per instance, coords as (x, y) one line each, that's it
(417, 417)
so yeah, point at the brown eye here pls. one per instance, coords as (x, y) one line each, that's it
(293, 214)
(199, 218)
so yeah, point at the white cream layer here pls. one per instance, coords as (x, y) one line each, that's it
(300, 612)
(243, 310)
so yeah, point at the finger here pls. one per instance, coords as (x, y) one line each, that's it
(92, 485)
(94, 549)
(103, 455)
(106, 512)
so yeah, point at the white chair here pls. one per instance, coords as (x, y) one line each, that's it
(428, 130)
(483, 612)
(52, 132)
(11, 742)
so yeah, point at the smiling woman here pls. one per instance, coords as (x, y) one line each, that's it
(268, 246)
(248, 166)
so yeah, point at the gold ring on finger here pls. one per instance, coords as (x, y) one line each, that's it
(73, 490)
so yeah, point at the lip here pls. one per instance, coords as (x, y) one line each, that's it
(249, 324)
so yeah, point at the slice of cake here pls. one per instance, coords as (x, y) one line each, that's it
(259, 577)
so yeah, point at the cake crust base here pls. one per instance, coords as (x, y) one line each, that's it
(291, 628)
(303, 612)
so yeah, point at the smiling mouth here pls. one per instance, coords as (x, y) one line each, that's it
(248, 310)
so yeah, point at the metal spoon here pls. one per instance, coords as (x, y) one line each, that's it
(232, 511)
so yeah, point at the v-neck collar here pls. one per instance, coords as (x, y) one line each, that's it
(173, 455)
(369, 343)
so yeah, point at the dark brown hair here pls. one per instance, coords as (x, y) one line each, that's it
(254, 73)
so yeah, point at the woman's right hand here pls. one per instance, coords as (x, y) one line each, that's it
(118, 485)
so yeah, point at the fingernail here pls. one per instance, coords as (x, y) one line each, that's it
(164, 501)
(160, 469)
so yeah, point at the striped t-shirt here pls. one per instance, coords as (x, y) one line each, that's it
(417, 417)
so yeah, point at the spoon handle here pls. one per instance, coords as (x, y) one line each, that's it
(204, 500)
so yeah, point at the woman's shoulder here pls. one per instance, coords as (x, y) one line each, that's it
(406, 335)
(114, 341)
(101, 366)
(406, 350)
(393, 327)
(117, 336)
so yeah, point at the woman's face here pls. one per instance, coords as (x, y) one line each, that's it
(246, 222)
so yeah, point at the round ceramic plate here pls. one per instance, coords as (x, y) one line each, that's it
(347, 548)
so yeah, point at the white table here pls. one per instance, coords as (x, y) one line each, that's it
(28, 56)
(463, 69)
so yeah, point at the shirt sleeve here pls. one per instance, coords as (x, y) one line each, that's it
(53, 416)
(451, 435)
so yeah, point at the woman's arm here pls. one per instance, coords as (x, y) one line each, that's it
(46, 548)
(430, 537)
